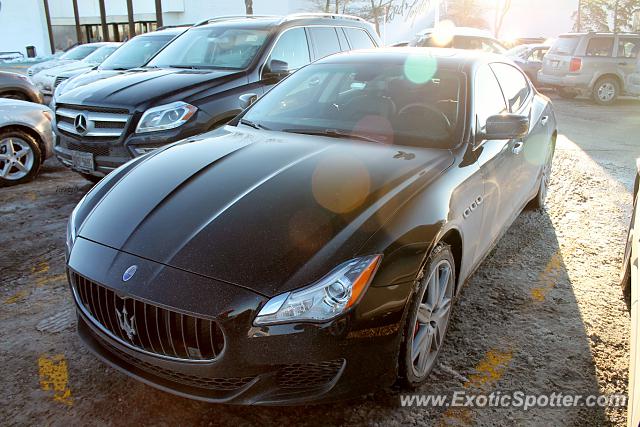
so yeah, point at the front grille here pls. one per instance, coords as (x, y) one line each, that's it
(222, 384)
(93, 109)
(98, 150)
(148, 327)
(58, 81)
(91, 122)
(308, 375)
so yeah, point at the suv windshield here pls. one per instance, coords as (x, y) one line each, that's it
(212, 47)
(100, 54)
(564, 45)
(135, 53)
(390, 104)
(78, 52)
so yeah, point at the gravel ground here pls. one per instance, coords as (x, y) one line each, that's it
(543, 314)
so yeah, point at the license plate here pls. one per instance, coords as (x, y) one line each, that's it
(82, 161)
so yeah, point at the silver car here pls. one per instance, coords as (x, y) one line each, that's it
(26, 140)
(602, 65)
(74, 54)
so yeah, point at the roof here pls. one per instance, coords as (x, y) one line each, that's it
(592, 33)
(461, 31)
(166, 31)
(273, 20)
(446, 58)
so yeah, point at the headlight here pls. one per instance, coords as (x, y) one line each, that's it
(324, 300)
(167, 116)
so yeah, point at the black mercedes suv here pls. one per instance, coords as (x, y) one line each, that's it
(199, 81)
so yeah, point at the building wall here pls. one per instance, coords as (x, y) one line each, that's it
(22, 24)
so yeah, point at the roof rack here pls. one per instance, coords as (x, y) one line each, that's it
(320, 15)
(227, 17)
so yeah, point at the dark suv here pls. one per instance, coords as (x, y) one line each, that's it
(198, 82)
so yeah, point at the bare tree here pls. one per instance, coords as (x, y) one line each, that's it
(326, 6)
(248, 5)
(502, 8)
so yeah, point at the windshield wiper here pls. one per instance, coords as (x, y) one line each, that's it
(253, 125)
(333, 133)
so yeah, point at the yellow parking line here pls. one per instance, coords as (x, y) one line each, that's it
(54, 376)
(51, 279)
(18, 296)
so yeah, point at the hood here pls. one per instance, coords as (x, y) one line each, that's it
(89, 77)
(49, 64)
(256, 208)
(74, 66)
(142, 87)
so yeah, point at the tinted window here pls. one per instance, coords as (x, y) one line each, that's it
(492, 46)
(488, 96)
(325, 41)
(379, 102)
(292, 48)
(514, 85)
(564, 45)
(359, 38)
(79, 52)
(468, 43)
(628, 47)
(600, 46)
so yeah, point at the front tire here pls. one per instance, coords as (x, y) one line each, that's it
(606, 91)
(428, 317)
(20, 157)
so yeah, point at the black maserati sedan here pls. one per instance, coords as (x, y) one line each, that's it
(312, 248)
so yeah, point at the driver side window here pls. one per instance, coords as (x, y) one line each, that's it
(488, 100)
(292, 48)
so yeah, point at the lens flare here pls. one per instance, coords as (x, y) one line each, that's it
(444, 32)
(340, 183)
(420, 68)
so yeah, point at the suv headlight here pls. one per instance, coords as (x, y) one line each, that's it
(166, 116)
(324, 300)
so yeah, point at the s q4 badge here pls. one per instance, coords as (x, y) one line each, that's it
(129, 272)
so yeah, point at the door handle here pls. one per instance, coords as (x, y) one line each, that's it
(544, 120)
(517, 147)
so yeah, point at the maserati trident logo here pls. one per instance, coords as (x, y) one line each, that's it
(129, 272)
(80, 123)
(128, 325)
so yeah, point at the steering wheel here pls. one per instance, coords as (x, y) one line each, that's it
(426, 107)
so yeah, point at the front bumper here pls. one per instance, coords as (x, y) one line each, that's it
(271, 365)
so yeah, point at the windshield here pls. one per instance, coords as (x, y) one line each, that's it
(100, 54)
(212, 47)
(135, 53)
(78, 52)
(517, 52)
(564, 45)
(394, 104)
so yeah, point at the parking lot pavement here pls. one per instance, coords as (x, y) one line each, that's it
(543, 314)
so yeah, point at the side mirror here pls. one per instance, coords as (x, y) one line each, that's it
(506, 126)
(275, 69)
(247, 99)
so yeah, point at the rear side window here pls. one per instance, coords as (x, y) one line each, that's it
(292, 48)
(359, 38)
(514, 85)
(600, 46)
(488, 96)
(628, 47)
(325, 41)
(564, 46)
(537, 55)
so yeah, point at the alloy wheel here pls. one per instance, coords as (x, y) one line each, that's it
(606, 92)
(16, 158)
(433, 317)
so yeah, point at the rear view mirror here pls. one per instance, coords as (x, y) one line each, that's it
(275, 69)
(247, 99)
(506, 126)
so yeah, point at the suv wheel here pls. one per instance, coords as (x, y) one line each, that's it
(20, 157)
(606, 91)
(567, 93)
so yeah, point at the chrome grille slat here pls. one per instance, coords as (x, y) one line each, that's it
(102, 122)
(174, 342)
